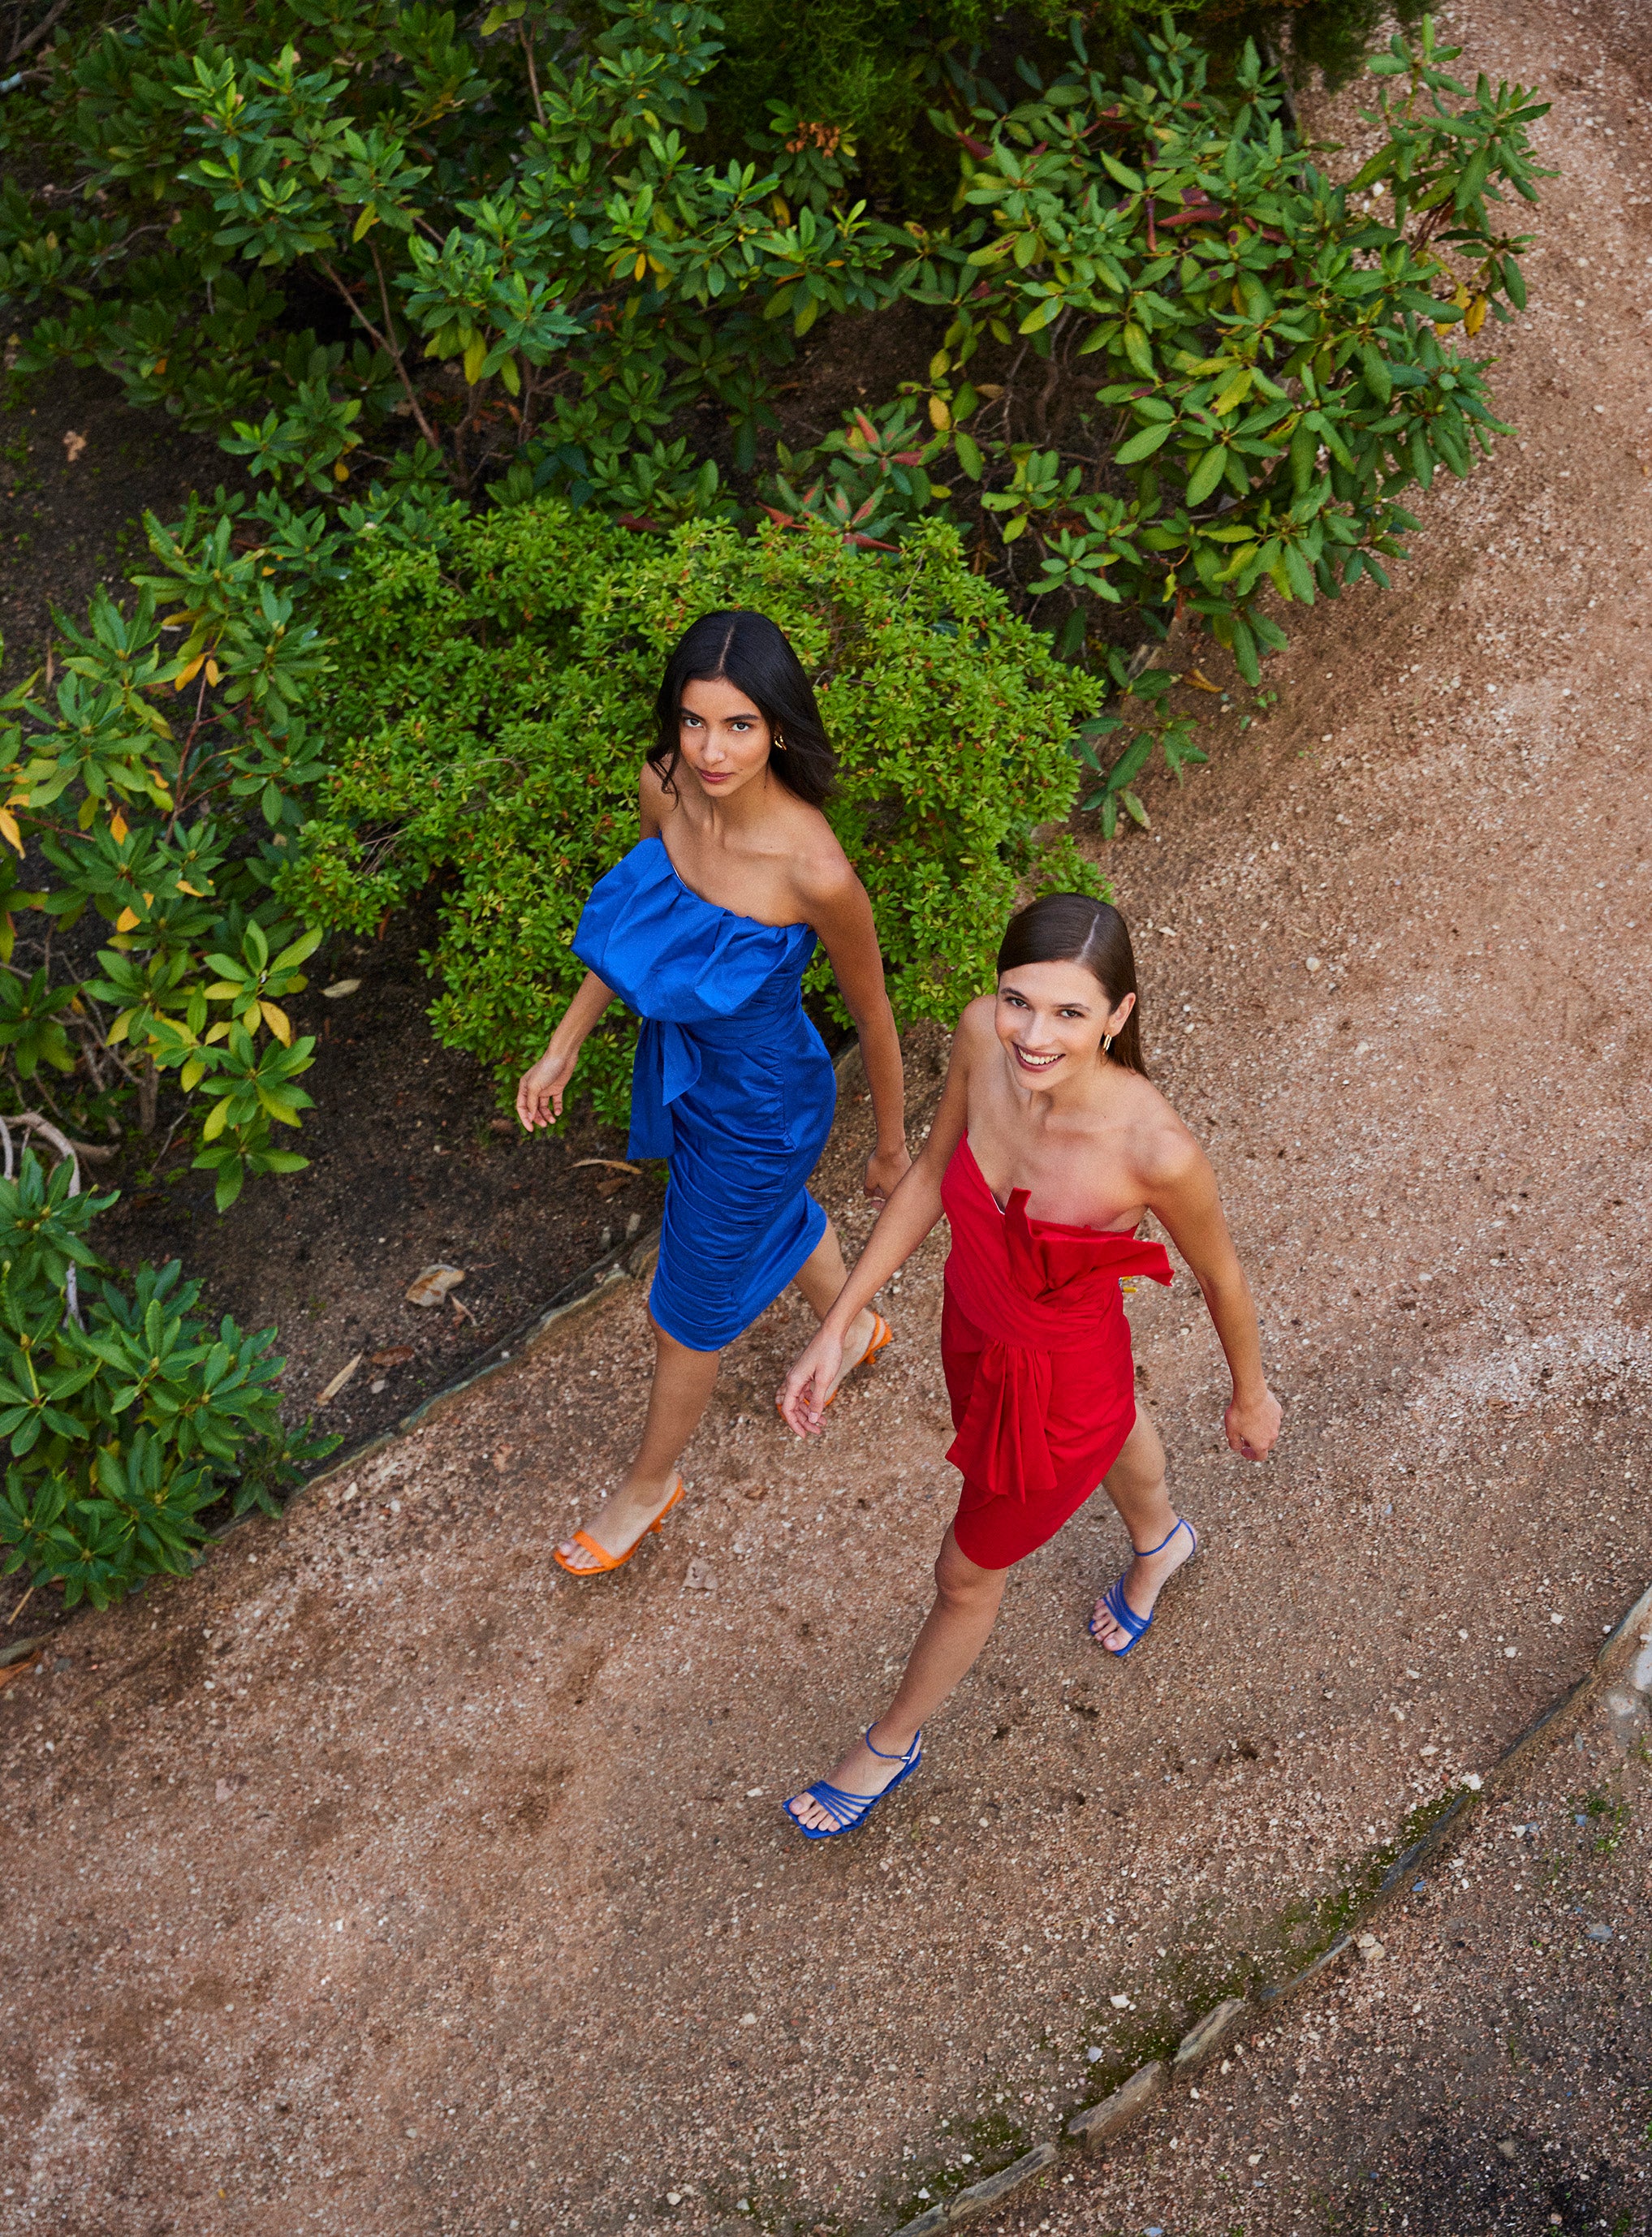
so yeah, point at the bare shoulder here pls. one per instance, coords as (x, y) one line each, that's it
(821, 871)
(654, 802)
(976, 1033)
(1163, 1147)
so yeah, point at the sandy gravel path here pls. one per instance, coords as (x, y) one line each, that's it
(378, 1878)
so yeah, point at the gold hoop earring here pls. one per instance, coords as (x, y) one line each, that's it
(780, 743)
(1107, 1044)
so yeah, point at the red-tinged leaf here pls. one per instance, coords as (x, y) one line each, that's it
(869, 543)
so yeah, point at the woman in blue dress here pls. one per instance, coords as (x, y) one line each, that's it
(705, 930)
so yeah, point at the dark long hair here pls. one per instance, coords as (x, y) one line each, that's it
(747, 650)
(1074, 928)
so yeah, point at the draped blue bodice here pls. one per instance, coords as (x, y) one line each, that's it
(699, 977)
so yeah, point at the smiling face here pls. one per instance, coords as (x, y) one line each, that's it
(1051, 1019)
(725, 740)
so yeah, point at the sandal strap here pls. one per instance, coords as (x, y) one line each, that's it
(897, 1755)
(1146, 1553)
(1122, 1611)
(844, 1809)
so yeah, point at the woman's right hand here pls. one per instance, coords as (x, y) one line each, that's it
(802, 1395)
(541, 1088)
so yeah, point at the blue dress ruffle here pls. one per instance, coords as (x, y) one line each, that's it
(732, 1082)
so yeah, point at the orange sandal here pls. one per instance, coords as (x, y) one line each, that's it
(604, 1560)
(881, 1334)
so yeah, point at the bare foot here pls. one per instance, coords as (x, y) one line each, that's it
(620, 1521)
(1144, 1580)
(861, 1331)
(860, 1771)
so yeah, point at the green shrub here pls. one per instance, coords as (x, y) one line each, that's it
(161, 782)
(490, 719)
(124, 1415)
(1265, 361)
(511, 222)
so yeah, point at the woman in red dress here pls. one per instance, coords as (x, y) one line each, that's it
(1049, 1148)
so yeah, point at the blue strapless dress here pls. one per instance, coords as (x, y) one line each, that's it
(732, 1082)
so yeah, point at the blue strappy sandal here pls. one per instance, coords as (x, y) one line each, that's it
(1134, 1625)
(850, 1810)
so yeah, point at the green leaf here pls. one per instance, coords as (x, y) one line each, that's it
(1144, 443)
(1208, 472)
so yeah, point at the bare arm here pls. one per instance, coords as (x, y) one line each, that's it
(1184, 1196)
(912, 1210)
(541, 1088)
(842, 916)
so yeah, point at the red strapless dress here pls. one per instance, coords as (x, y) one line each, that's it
(1036, 1351)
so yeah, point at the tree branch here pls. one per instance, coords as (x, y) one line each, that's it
(386, 342)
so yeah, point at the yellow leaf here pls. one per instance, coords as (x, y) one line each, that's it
(640, 267)
(368, 218)
(193, 1073)
(9, 829)
(340, 471)
(1475, 319)
(127, 921)
(279, 1023)
(193, 890)
(940, 416)
(216, 1119)
(213, 676)
(118, 1031)
(218, 1032)
(475, 357)
(117, 824)
(1200, 683)
(188, 674)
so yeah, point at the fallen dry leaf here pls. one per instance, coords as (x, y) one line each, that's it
(433, 1284)
(613, 1184)
(339, 1382)
(1201, 683)
(503, 1125)
(73, 445)
(614, 1164)
(503, 1458)
(16, 1669)
(398, 1356)
(700, 1578)
(462, 1312)
(340, 988)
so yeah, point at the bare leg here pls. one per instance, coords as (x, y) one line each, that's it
(1135, 1484)
(820, 1277)
(954, 1633)
(682, 1390)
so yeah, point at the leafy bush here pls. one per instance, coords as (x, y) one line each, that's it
(506, 218)
(124, 1417)
(1277, 355)
(492, 718)
(170, 828)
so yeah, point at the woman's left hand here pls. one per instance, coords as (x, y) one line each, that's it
(1252, 1425)
(883, 1170)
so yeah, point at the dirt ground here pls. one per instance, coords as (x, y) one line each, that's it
(380, 1878)
(1485, 2073)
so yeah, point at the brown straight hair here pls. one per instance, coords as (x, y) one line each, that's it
(1078, 928)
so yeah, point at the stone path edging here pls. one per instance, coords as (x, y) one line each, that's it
(1097, 2125)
